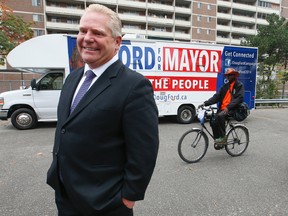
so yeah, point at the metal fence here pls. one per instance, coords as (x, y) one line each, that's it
(281, 102)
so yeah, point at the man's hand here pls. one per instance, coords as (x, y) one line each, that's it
(201, 106)
(225, 111)
(129, 204)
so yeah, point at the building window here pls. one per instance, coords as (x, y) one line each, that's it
(55, 19)
(199, 5)
(37, 18)
(198, 31)
(208, 31)
(130, 26)
(209, 19)
(36, 3)
(209, 6)
(70, 6)
(199, 18)
(38, 32)
(261, 16)
(158, 29)
(72, 21)
(265, 4)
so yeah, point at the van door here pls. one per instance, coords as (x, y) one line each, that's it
(47, 95)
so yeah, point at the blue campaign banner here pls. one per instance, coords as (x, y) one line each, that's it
(244, 60)
(72, 52)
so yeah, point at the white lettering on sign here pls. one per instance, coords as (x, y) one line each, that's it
(191, 60)
(175, 83)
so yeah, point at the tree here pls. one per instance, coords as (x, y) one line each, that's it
(13, 31)
(266, 87)
(283, 79)
(272, 43)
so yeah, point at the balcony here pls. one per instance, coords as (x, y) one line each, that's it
(267, 10)
(243, 19)
(261, 22)
(64, 11)
(183, 10)
(104, 2)
(182, 36)
(183, 23)
(132, 18)
(244, 7)
(62, 26)
(223, 28)
(224, 16)
(243, 31)
(160, 21)
(160, 34)
(133, 4)
(235, 41)
(160, 7)
(223, 40)
(133, 31)
(224, 4)
(229, 41)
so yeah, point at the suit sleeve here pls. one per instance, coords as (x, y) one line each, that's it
(140, 125)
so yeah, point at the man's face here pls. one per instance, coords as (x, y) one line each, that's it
(95, 42)
(231, 77)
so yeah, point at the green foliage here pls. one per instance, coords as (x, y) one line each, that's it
(272, 43)
(266, 87)
(283, 76)
(13, 31)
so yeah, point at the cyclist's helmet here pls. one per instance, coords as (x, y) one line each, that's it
(231, 71)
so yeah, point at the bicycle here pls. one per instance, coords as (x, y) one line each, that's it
(193, 144)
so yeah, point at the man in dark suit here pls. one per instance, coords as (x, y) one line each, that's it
(105, 146)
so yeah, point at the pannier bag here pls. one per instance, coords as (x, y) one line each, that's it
(241, 112)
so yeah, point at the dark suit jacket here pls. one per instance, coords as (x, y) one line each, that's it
(107, 148)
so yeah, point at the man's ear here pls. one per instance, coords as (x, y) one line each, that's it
(118, 41)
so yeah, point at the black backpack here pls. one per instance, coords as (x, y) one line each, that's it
(241, 112)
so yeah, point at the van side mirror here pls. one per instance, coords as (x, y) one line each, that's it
(34, 85)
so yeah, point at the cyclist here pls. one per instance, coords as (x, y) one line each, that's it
(228, 97)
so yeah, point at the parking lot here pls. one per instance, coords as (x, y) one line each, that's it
(255, 183)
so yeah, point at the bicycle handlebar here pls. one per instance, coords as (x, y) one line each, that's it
(207, 108)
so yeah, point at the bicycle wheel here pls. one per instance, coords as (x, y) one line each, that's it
(193, 146)
(237, 140)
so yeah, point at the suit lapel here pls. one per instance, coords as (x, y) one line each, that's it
(102, 83)
(67, 94)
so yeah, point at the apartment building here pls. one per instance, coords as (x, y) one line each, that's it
(284, 8)
(208, 21)
(31, 11)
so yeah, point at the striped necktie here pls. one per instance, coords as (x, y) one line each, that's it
(83, 89)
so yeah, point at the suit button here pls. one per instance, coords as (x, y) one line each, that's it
(63, 131)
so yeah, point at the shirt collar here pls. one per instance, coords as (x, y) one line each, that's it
(98, 71)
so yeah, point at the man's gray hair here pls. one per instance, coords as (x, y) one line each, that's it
(114, 23)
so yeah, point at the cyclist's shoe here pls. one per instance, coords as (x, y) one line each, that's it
(218, 147)
(221, 141)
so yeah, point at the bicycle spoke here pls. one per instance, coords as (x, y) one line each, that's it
(237, 140)
(196, 140)
(192, 146)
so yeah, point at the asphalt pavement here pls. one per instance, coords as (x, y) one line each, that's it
(255, 183)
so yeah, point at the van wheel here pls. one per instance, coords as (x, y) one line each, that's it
(24, 119)
(185, 115)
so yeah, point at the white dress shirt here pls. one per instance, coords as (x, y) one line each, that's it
(98, 72)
